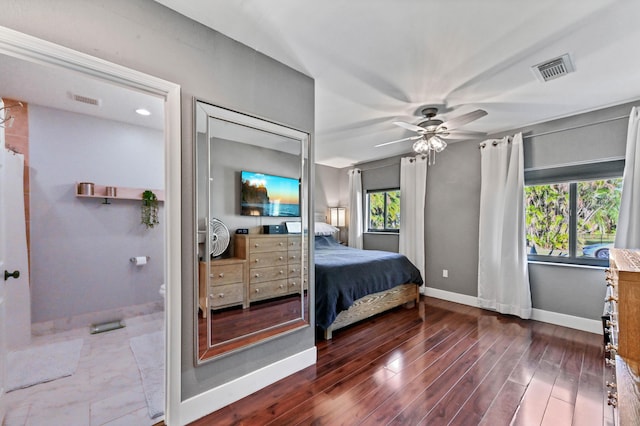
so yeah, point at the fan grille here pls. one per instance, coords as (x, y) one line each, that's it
(218, 237)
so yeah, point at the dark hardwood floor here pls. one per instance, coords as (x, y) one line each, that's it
(438, 364)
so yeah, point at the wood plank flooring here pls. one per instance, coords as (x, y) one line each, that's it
(439, 364)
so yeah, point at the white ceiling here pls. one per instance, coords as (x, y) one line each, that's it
(378, 61)
(53, 87)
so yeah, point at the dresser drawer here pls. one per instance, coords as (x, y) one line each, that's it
(225, 295)
(260, 275)
(264, 259)
(258, 245)
(294, 271)
(226, 274)
(294, 285)
(267, 290)
(294, 243)
(294, 256)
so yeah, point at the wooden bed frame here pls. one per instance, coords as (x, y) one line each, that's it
(372, 304)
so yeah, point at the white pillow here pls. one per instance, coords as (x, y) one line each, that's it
(323, 228)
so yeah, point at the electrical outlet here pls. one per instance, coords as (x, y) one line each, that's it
(445, 273)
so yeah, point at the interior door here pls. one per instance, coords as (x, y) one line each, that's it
(3, 248)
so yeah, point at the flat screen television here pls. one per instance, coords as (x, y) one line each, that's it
(269, 195)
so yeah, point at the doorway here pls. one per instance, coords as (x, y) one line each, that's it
(60, 60)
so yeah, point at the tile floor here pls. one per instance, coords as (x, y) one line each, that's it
(106, 389)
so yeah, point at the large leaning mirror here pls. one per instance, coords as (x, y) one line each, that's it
(251, 181)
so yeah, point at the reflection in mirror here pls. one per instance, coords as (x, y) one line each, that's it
(251, 213)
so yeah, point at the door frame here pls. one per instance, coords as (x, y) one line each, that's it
(32, 49)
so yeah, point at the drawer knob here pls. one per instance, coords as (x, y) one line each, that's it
(221, 274)
(257, 260)
(257, 275)
(221, 295)
(280, 243)
(294, 284)
(611, 299)
(257, 290)
(281, 286)
(281, 272)
(611, 323)
(256, 245)
(280, 258)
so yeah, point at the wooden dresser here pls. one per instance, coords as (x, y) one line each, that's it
(226, 284)
(274, 264)
(622, 335)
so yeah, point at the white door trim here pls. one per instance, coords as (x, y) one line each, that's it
(28, 48)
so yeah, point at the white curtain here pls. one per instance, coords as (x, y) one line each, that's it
(355, 208)
(628, 231)
(503, 276)
(413, 187)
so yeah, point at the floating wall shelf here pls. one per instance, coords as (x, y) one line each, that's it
(122, 193)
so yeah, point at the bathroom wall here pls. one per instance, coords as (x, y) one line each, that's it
(80, 248)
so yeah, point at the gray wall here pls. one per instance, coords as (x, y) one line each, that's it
(225, 184)
(327, 189)
(453, 202)
(145, 36)
(80, 248)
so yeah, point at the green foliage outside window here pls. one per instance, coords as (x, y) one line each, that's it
(547, 218)
(384, 210)
(548, 214)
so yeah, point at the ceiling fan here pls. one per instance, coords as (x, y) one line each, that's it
(432, 132)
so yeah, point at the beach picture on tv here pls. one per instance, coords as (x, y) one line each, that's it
(268, 195)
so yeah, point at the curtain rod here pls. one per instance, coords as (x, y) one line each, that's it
(387, 165)
(481, 144)
(374, 168)
(575, 127)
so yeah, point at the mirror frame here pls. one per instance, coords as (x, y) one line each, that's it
(213, 110)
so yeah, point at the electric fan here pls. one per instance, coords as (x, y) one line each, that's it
(218, 237)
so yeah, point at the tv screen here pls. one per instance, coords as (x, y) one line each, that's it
(268, 195)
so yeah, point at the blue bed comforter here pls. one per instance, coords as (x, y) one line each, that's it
(344, 274)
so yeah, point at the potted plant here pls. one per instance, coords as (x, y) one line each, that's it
(149, 214)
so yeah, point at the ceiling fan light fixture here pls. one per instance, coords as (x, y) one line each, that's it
(421, 146)
(437, 144)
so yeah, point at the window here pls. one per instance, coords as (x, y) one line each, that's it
(572, 222)
(383, 210)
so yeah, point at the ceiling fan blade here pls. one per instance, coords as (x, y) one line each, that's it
(412, 138)
(463, 119)
(409, 126)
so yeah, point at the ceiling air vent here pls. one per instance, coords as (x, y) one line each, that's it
(85, 99)
(553, 68)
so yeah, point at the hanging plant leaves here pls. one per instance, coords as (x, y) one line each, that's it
(149, 212)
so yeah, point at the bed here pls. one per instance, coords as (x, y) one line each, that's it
(354, 284)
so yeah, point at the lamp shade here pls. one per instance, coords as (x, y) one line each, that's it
(337, 216)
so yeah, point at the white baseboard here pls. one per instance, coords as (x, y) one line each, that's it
(578, 323)
(205, 403)
(463, 299)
